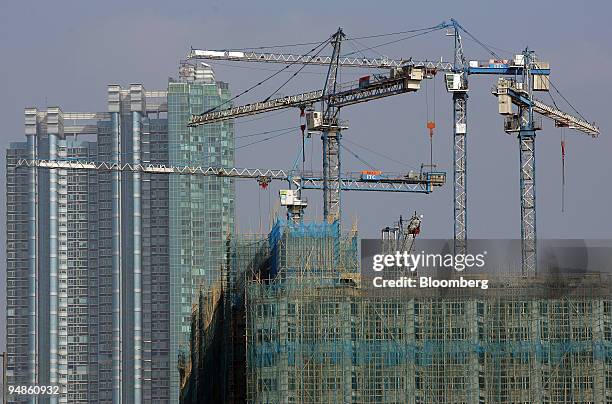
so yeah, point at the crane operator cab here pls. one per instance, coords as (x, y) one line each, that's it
(430, 172)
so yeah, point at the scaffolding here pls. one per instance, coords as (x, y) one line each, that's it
(203, 371)
(214, 369)
(314, 335)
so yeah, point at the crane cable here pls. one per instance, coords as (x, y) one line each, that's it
(428, 31)
(358, 158)
(294, 74)
(275, 46)
(259, 208)
(431, 123)
(303, 129)
(356, 48)
(562, 169)
(264, 133)
(320, 45)
(267, 116)
(314, 43)
(402, 163)
(269, 210)
(565, 99)
(396, 33)
(264, 139)
(484, 46)
(204, 156)
(562, 159)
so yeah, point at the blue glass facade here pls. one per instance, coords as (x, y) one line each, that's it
(201, 208)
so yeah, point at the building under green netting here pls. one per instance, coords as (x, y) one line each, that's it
(307, 332)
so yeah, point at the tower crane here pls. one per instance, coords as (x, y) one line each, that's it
(456, 80)
(412, 182)
(519, 92)
(522, 75)
(458, 87)
(406, 77)
(509, 91)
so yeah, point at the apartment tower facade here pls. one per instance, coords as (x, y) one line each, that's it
(102, 266)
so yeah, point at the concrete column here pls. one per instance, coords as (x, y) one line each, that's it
(137, 264)
(62, 271)
(54, 131)
(114, 107)
(116, 257)
(31, 129)
(137, 100)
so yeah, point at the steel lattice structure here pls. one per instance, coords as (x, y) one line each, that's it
(345, 61)
(522, 66)
(404, 78)
(460, 149)
(349, 182)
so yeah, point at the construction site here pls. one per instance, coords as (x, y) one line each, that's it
(299, 327)
(289, 319)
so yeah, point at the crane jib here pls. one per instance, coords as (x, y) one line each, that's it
(422, 183)
(349, 94)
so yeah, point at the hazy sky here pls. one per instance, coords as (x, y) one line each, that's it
(66, 52)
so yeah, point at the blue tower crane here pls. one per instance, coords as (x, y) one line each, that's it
(518, 91)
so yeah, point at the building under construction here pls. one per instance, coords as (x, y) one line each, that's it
(309, 331)
(306, 331)
(286, 317)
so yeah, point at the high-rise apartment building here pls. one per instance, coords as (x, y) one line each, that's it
(102, 266)
(202, 208)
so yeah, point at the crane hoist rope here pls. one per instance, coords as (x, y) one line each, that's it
(431, 120)
(433, 29)
(359, 158)
(348, 39)
(322, 45)
(402, 163)
(562, 169)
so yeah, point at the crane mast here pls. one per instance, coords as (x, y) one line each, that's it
(526, 137)
(459, 88)
(331, 135)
